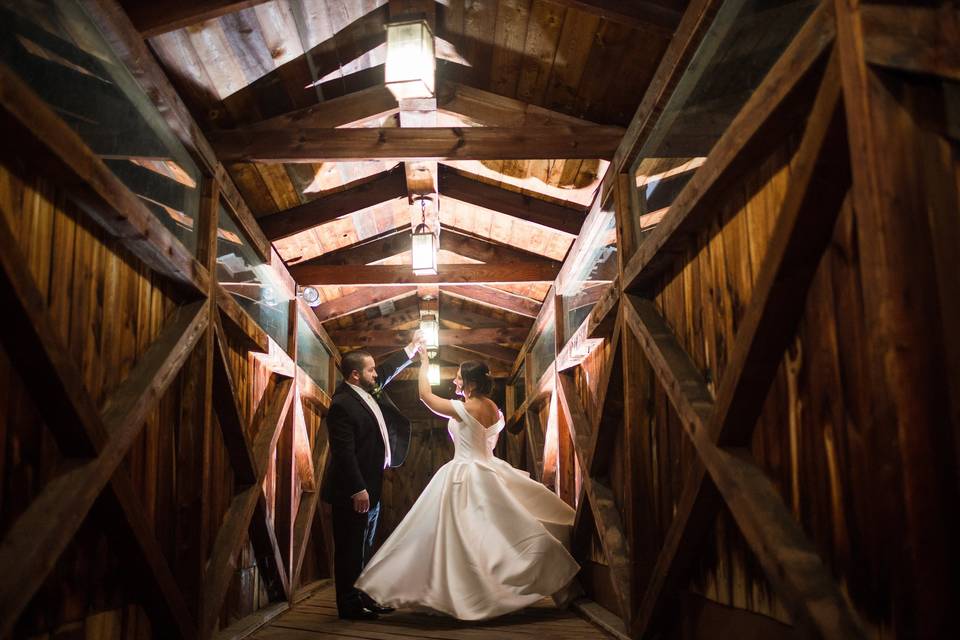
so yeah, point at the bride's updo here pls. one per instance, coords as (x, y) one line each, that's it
(478, 373)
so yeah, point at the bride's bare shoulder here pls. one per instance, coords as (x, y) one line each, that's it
(484, 410)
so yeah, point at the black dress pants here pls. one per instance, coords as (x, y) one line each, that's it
(353, 535)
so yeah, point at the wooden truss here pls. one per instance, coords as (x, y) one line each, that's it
(94, 441)
(855, 137)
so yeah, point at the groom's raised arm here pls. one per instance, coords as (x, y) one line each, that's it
(343, 450)
(398, 359)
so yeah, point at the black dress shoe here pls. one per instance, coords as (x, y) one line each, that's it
(369, 603)
(358, 614)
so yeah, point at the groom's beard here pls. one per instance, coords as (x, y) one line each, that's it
(368, 385)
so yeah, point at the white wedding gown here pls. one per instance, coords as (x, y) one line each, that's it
(482, 540)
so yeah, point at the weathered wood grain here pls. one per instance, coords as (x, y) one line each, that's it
(424, 143)
(389, 275)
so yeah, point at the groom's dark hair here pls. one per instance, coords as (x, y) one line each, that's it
(353, 361)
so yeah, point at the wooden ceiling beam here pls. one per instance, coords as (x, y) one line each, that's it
(390, 185)
(347, 110)
(161, 16)
(312, 145)
(358, 300)
(639, 14)
(371, 99)
(495, 110)
(486, 250)
(370, 250)
(494, 351)
(496, 298)
(387, 275)
(455, 337)
(382, 187)
(397, 241)
(472, 320)
(564, 218)
(446, 373)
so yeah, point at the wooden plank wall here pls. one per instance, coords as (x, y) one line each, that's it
(704, 303)
(108, 308)
(82, 272)
(839, 437)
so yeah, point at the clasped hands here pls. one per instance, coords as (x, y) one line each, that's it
(419, 344)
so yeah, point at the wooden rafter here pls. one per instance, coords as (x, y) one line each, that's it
(351, 109)
(819, 181)
(458, 355)
(382, 338)
(494, 351)
(153, 18)
(390, 275)
(496, 298)
(928, 46)
(564, 218)
(378, 247)
(101, 440)
(482, 318)
(313, 145)
(486, 250)
(397, 241)
(494, 110)
(639, 14)
(368, 192)
(363, 298)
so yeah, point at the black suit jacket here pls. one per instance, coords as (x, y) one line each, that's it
(356, 445)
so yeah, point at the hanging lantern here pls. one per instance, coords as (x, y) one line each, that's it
(411, 63)
(433, 374)
(430, 329)
(424, 246)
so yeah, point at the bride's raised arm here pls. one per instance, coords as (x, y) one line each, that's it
(440, 406)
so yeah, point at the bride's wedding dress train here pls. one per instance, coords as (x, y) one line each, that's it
(482, 540)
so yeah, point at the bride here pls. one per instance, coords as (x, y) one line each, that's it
(483, 539)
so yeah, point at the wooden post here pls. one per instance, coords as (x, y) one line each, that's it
(194, 440)
(897, 165)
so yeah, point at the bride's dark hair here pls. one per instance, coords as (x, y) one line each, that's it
(478, 373)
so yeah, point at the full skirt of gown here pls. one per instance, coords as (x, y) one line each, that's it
(482, 540)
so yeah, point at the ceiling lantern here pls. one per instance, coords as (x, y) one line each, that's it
(430, 329)
(423, 245)
(433, 374)
(411, 64)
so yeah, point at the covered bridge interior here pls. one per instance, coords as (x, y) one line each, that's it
(708, 249)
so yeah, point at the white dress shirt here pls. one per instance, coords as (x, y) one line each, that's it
(378, 414)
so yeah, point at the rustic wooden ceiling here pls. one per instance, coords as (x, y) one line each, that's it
(259, 76)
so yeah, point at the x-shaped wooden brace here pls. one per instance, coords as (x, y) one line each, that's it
(248, 509)
(593, 441)
(96, 442)
(721, 429)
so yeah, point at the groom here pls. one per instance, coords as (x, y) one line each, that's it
(367, 434)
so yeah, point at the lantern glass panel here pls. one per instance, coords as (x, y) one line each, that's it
(424, 252)
(433, 374)
(431, 333)
(411, 63)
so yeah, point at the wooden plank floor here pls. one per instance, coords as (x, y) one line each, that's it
(316, 618)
